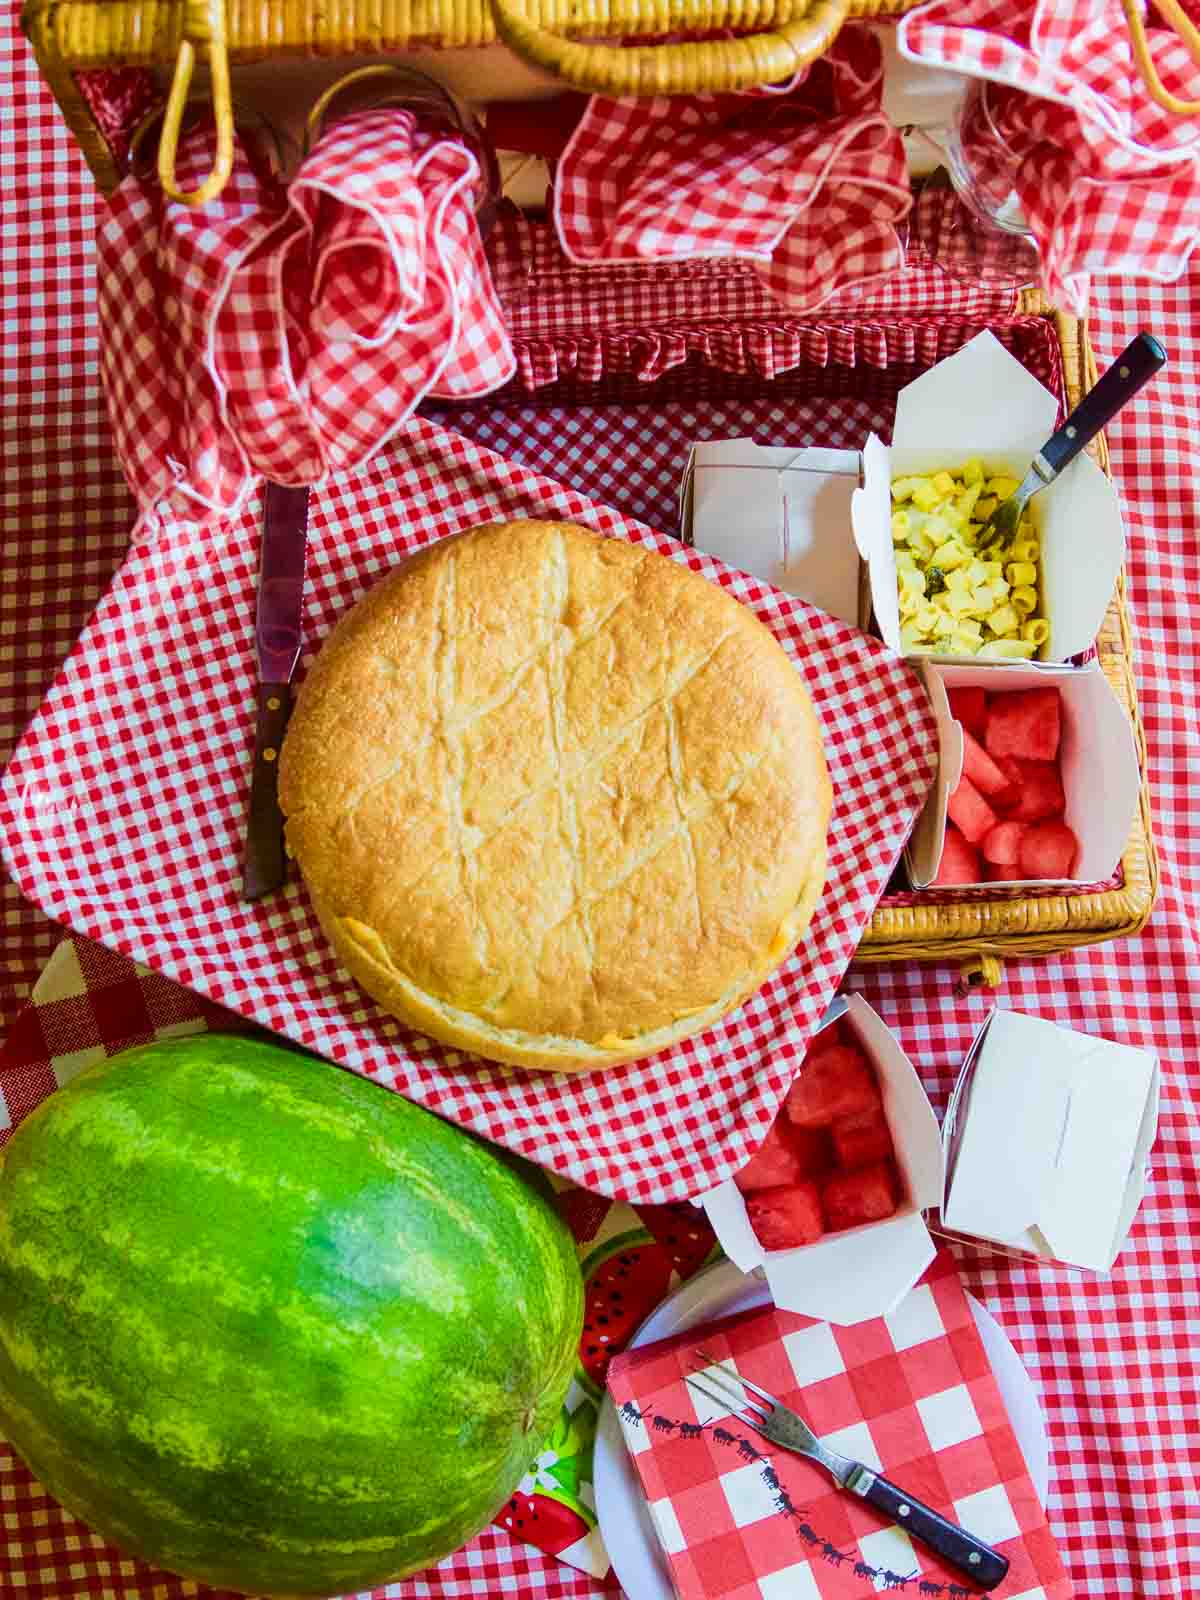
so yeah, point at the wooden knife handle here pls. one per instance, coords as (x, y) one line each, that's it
(265, 866)
(983, 1565)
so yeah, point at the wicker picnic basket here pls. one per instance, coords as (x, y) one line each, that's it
(673, 340)
(482, 49)
(586, 339)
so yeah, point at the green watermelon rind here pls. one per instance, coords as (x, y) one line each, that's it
(271, 1326)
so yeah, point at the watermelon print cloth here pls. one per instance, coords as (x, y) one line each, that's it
(90, 1004)
(911, 1394)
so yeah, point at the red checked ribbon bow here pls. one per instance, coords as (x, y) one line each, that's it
(1108, 181)
(806, 180)
(288, 331)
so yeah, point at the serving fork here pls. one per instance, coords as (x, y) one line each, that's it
(1132, 369)
(781, 1426)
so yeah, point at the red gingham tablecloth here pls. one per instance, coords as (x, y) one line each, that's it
(1115, 1361)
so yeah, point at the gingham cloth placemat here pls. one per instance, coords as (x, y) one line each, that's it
(1112, 1359)
(910, 1394)
(123, 811)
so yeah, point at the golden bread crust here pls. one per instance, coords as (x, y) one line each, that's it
(558, 801)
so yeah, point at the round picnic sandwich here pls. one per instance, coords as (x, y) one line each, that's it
(558, 801)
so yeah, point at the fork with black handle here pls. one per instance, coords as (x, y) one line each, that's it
(985, 1566)
(1131, 371)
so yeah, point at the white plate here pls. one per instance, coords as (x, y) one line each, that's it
(723, 1291)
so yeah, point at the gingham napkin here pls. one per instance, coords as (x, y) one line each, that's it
(287, 331)
(1108, 181)
(123, 807)
(808, 180)
(912, 1394)
(89, 1004)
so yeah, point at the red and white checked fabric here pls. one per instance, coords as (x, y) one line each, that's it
(122, 813)
(1108, 181)
(911, 1394)
(807, 181)
(1113, 1359)
(288, 331)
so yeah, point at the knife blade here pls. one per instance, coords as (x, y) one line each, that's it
(277, 639)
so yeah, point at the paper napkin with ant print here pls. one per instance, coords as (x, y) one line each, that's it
(912, 1394)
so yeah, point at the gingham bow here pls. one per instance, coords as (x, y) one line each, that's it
(288, 331)
(806, 180)
(1108, 181)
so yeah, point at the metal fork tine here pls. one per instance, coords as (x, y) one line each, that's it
(739, 1400)
(715, 1361)
(711, 1394)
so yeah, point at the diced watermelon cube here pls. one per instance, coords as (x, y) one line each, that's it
(784, 1218)
(1007, 802)
(1048, 850)
(867, 1195)
(837, 1082)
(970, 812)
(861, 1140)
(982, 771)
(1024, 723)
(1041, 793)
(777, 1160)
(960, 860)
(969, 706)
(1002, 847)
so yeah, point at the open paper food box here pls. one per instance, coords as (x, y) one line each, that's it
(817, 523)
(1043, 1152)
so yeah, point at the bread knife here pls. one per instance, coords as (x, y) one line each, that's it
(277, 637)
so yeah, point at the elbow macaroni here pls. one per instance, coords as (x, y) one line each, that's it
(956, 596)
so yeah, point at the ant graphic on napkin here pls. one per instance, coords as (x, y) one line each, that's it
(630, 1411)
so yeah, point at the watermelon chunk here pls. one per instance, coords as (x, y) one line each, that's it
(970, 812)
(1010, 799)
(969, 706)
(1024, 723)
(960, 860)
(861, 1140)
(838, 1082)
(1048, 850)
(868, 1195)
(776, 1161)
(982, 771)
(1002, 847)
(1041, 792)
(782, 1219)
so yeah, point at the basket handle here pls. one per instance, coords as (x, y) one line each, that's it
(203, 23)
(1173, 13)
(688, 67)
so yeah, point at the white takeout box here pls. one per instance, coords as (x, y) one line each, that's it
(982, 403)
(1071, 1117)
(781, 514)
(1098, 762)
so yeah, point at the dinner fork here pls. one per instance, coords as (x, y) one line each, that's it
(1132, 369)
(985, 1566)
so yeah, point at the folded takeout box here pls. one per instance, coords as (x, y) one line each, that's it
(816, 523)
(981, 403)
(1098, 763)
(1043, 1151)
(782, 514)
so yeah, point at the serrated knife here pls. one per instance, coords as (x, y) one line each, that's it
(277, 638)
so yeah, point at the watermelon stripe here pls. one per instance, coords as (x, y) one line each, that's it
(269, 1325)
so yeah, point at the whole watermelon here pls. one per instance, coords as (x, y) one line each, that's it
(271, 1326)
